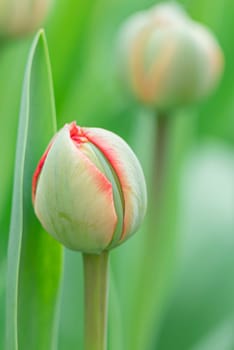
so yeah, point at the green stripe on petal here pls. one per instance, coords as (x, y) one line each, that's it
(107, 169)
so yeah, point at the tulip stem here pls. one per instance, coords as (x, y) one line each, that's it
(151, 279)
(161, 155)
(96, 300)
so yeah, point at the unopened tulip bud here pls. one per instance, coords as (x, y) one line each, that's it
(20, 17)
(88, 189)
(168, 60)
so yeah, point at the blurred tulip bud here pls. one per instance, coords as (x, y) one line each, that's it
(168, 60)
(20, 17)
(89, 190)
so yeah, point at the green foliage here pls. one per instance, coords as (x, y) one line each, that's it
(191, 298)
(34, 259)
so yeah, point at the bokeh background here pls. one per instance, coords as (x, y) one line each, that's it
(190, 304)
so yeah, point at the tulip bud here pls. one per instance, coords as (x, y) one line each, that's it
(167, 59)
(88, 189)
(21, 17)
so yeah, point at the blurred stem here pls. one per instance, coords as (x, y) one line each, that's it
(158, 176)
(96, 297)
(149, 301)
(162, 125)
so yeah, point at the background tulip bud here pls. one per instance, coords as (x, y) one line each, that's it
(21, 17)
(88, 189)
(167, 59)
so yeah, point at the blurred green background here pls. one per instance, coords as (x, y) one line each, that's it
(191, 302)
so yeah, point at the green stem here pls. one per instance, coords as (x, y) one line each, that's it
(153, 271)
(158, 177)
(96, 297)
(161, 155)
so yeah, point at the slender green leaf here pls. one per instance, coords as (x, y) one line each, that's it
(11, 73)
(34, 258)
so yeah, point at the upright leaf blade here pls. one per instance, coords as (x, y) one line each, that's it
(34, 259)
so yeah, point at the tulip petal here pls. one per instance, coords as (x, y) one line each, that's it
(85, 222)
(107, 169)
(129, 173)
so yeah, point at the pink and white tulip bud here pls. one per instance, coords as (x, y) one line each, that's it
(89, 190)
(167, 59)
(21, 17)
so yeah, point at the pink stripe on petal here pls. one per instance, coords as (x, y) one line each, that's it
(114, 149)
